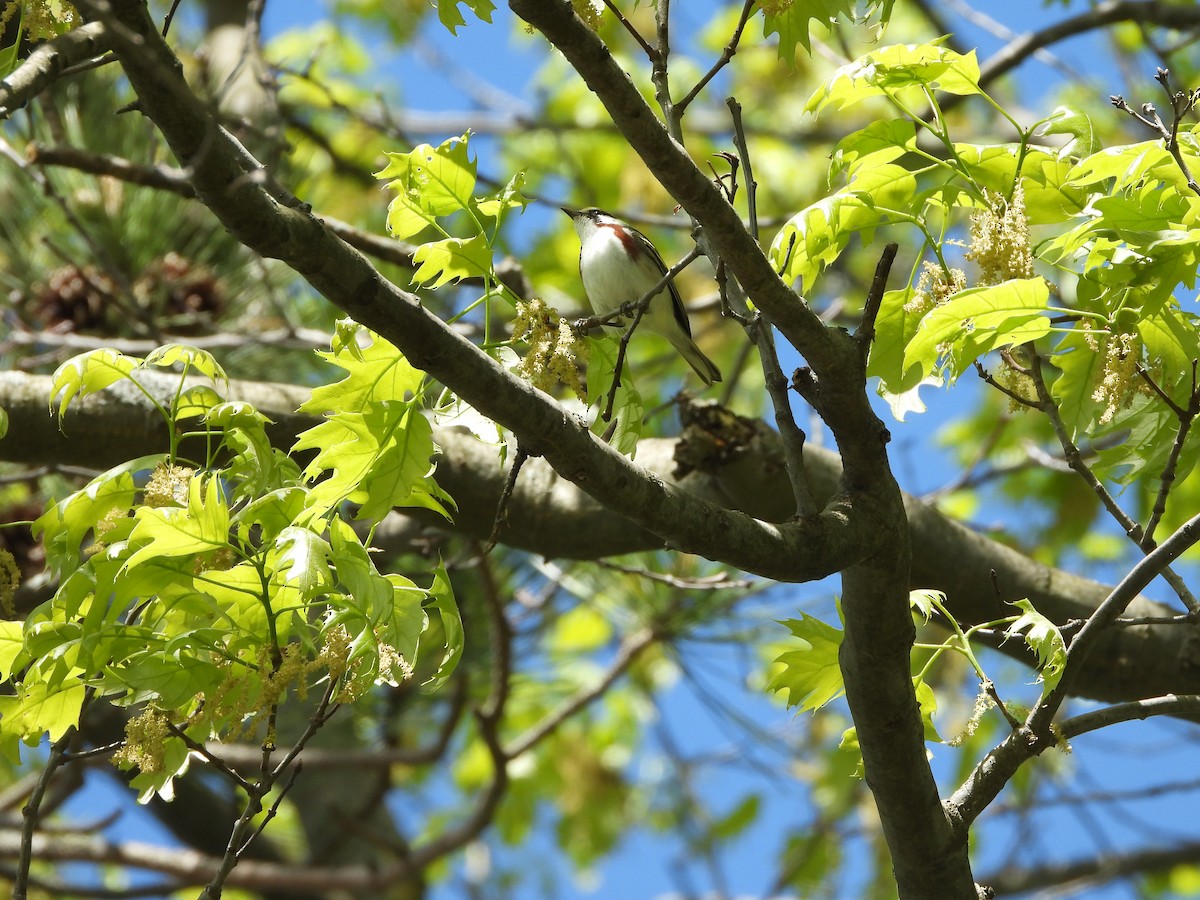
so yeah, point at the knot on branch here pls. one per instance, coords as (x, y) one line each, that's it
(714, 436)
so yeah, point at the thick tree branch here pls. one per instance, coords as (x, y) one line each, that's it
(546, 511)
(1076, 876)
(879, 631)
(996, 769)
(47, 62)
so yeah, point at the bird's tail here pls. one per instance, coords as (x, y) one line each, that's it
(703, 366)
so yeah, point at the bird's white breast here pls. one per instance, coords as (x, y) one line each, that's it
(610, 276)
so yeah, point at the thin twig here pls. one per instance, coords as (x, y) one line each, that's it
(1167, 705)
(628, 26)
(213, 760)
(866, 330)
(739, 143)
(722, 61)
(488, 718)
(631, 647)
(1004, 389)
(244, 831)
(29, 813)
(1167, 478)
(1094, 18)
(1182, 103)
(510, 484)
(994, 771)
(1075, 460)
(170, 17)
(720, 582)
(792, 435)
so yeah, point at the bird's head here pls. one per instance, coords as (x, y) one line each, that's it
(588, 219)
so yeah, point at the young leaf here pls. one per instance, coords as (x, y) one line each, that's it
(189, 357)
(790, 20)
(452, 19)
(893, 69)
(978, 320)
(451, 260)
(441, 602)
(816, 236)
(1084, 140)
(12, 639)
(429, 182)
(42, 708)
(1044, 638)
(810, 673)
(87, 373)
(174, 532)
(627, 403)
(927, 703)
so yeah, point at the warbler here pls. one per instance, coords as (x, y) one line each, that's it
(619, 265)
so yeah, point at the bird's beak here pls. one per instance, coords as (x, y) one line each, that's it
(573, 213)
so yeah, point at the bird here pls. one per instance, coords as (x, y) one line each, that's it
(619, 265)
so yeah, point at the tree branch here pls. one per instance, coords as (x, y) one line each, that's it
(546, 513)
(48, 62)
(1167, 15)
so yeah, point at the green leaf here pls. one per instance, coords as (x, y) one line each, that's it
(10, 56)
(87, 373)
(1172, 340)
(303, 561)
(809, 674)
(895, 327)
(3, 421)
(1126, 165)
(376, 372)
(1050, 197)
(195, 403)
(171, 532)
(379, 459)
(1044, 638)
(237, 598)
(429, 182)
(849, 749)
(12, 640)
(63, 527)
(978, 320)
(894, 69)
(444, 262)
(1079, 368)
(1147, 430)
(508, 197)
(441, 602)
(176, 760)
(926, 601)
(383, 614)
(816, 236)
(450, 17)
(189, 358)
(174, 678)
(927, 704)
(628, 408)
(1084, 140)
(883, 141)
(790, 21)
(738, 819)
(40, 708)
